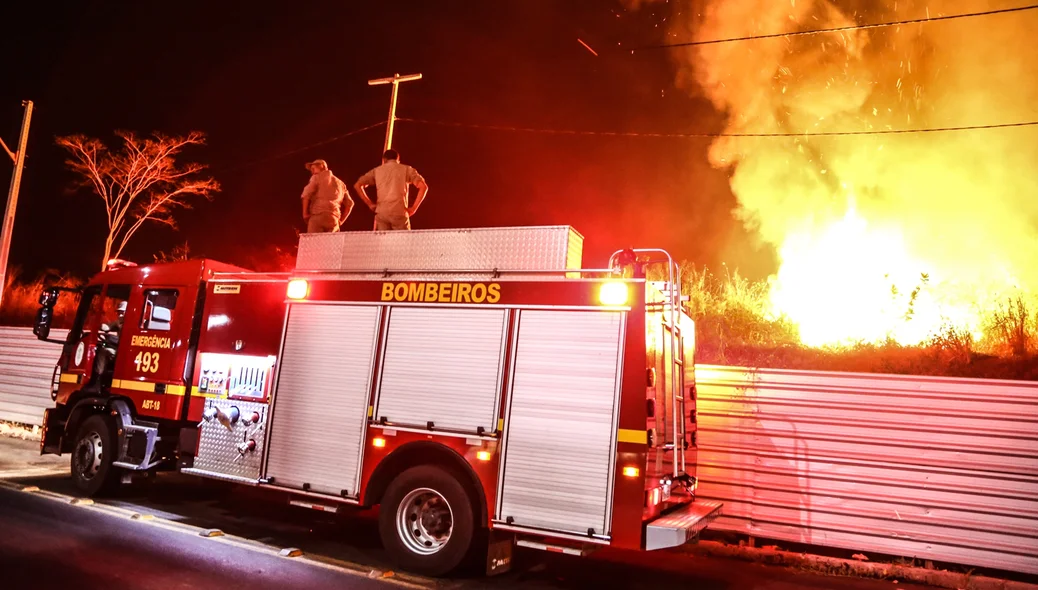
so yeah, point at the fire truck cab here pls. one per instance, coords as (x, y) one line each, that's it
(478, 385)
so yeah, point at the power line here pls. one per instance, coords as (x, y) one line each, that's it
(716, 135)
(579, 132)
(304, 148)
(914, 21)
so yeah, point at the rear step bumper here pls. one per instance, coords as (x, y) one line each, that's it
(680, 526)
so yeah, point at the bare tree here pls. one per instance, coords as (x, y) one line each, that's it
(139, 182)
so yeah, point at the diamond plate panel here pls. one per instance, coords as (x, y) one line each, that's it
(507, 248)
(319, 251)
(218, 445)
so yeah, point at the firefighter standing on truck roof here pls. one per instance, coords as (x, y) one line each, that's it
(323, 198)
(391, 180)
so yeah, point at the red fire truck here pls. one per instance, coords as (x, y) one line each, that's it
(477, 385)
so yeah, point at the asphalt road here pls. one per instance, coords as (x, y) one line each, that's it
(53, 545)
(46, 541)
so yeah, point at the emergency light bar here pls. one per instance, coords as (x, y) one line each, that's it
(114, 263)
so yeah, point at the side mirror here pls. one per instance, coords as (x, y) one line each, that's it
(44, 317)
(48, 298)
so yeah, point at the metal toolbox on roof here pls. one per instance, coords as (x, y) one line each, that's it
(476, 249)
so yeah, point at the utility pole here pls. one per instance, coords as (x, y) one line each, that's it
(12, 194)
(395, 81)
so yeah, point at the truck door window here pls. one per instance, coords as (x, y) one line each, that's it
(158, 309)
(113, 313)
(86, 307)
(114, 307)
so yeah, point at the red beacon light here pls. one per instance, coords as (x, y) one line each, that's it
(114, 263)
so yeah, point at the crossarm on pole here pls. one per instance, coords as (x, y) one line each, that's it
(14, 156)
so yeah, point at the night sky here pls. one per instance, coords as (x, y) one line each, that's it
(261, 81)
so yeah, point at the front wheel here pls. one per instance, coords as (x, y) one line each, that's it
(92, 457)
(427, 521)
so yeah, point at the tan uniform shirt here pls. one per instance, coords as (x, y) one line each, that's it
(326, 194)
(391, 180)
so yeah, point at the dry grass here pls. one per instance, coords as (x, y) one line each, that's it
(21, 299)
(1010, 328)
(731, 311)
(734, 326)
(271, 258)
(179, 253)
(22, 431)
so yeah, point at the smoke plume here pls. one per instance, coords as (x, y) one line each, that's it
(861, 221)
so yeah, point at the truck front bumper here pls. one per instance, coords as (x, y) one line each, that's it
(680, 526)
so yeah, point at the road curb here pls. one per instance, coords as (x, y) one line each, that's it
(290, 552)
(848, 567)
(219, 536)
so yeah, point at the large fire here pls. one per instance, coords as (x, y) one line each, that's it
(880, 236)
(852, 281)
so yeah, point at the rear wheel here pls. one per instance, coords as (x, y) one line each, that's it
(427, 521)
(92, 457)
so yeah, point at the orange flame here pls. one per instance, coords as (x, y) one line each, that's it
(887, 236)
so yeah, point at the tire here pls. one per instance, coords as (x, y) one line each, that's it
(421, 498)
(92, 457)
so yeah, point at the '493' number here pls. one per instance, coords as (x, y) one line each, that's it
(147, 362)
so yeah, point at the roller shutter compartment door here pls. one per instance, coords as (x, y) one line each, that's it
(321, 401)
(559, 439)
(442, 365)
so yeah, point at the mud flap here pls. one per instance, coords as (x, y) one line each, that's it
(50, 441)
(499, 552)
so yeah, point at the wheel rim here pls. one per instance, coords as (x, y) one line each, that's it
(89, 452)
(424, 521)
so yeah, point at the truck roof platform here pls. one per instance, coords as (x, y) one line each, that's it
(536, 248)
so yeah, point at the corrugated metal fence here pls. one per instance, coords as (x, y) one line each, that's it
(933, 468)
(941, 469)
(26, 368)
